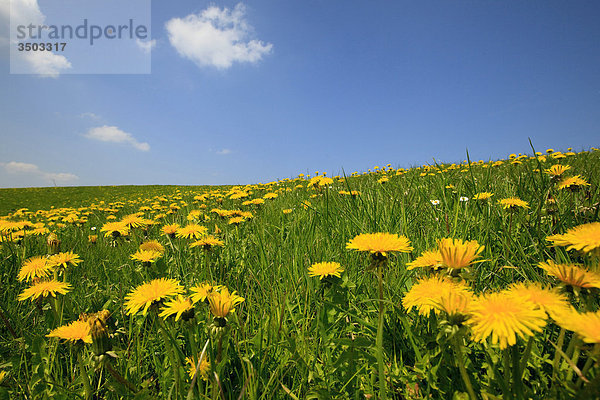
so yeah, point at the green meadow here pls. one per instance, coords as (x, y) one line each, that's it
(246, 310)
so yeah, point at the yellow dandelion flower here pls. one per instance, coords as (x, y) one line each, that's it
(287, 211)
(324, 269)
(549, 300)
(270, 196)
(133, 221)
(178, 306)
(572, 274)
(572, 183)
(457, 254)
(146, 256)
(426, 294)
(504, 316)
(222, 302)
(152, 245)
(202, 369)
(200, 292)
(586, 325)
(208, 242)
(35, 267)
(73, 332)
(557, 170)
(379, 243)
(191, 231)
(150, 292)
(455, 303)
(115, 229)
(170, 230)
(45, 289)
(236, 220)
(428, 259)
(64, 259)
(585, 238)
(482, 196)
(512, 203)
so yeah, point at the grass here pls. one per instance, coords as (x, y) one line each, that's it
(296, 336)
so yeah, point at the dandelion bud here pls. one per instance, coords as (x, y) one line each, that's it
(53, 243)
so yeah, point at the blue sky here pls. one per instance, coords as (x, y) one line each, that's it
(251, 92)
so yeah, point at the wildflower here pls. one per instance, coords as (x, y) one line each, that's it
(434, 202)
(325, 269)
(557, 170)
(383, 180)
(428, 259)
(115, 229)
(202, 369)
(426, 294)
(572, 183)
(222, 302)
(45, 289)
(201, 291)
(463, 199)
(74, 332)
(379, 243)
(287, 211)
(64, 259)
(505, 316)
(92, 239)
(586, 325)
(236, 220)
(457, 254)
(151, 292)
(146, 256)
(584, 238)
(35, 267)
(482, 196)
(208, 242)
(191, 231)
(133, 221)
(270, 196)
(549, 300)
(179, 306)
(512, 203)
(572, 274)
(152, 245)
(170, 230)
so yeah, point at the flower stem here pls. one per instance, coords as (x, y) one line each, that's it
(84, 376)
(461, 366)
(516, 372)
(379, 341)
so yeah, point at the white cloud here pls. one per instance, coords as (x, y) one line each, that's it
(115, 135)
(216, 37)
(33, 171)
(24, 12)
(90, 115)
(223, 152)
(146, 45)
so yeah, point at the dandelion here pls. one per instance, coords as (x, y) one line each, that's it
(504, 316)
(178, 307)
(152, 245)
(236, 220)
(151, 292)
(208, 242)
(572, 183)
(458, 254)
(222, 302)
(325, 269)
(201, 291)
(586, 325)
(133, 221)
(64, 259)
(572, 275)
(513, 203)
(76, 331)
(428, 259)
(426, 294)
(557, 170)
(202, 369)
(44, 289)
(287, 211)
(146, 256)
(549, 300)
(115, 229)
(191, 231)
(584, 238)
(379, 243)
(170, 230)
(35, 267)
(483, 196)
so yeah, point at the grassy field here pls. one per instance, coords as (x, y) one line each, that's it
(505, 311)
